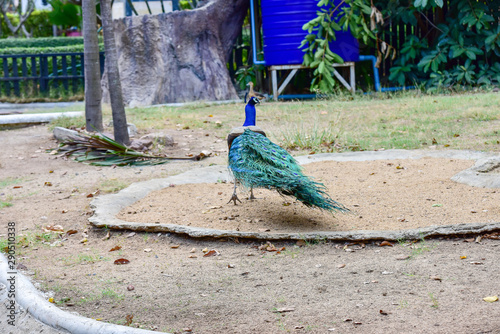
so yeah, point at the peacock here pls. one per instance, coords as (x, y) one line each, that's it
(256, 162)
(252, 93)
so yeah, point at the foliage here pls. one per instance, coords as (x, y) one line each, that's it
(244, 75)
(37, 24)
(43, 50)
(461, 48)
(65, 14)
(42, 42)
(100, 150)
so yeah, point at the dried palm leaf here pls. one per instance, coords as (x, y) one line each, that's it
(100, 150)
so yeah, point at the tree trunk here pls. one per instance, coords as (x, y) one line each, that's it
(178, 56)
(93, 96)
(113, 75)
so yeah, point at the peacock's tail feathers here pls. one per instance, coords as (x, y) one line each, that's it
(259, 163)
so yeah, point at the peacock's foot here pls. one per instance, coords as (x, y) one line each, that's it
(234, 198)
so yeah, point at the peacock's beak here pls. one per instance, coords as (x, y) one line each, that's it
(257, 101)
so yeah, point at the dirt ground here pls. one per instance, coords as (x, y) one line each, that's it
(176, 284)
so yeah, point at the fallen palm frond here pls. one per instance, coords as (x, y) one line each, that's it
(100, 150)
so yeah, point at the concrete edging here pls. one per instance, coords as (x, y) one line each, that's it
(108, 206)
(36, 118)
(29, 298)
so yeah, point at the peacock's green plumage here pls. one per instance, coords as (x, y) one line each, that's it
(256, 162)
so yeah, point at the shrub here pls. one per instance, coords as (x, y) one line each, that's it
(37, 24)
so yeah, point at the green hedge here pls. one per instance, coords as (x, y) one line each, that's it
(38, 50)
(37, 24)
(43, 42)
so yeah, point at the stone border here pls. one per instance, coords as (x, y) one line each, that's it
(108, 206)
(29, 298)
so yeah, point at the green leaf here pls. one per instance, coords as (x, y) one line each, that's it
(321, 68)
(439, 3)
(470, 54)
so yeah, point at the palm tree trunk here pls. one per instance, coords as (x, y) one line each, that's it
(93, 95)
(113, 75)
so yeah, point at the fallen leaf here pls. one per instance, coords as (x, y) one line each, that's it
(53, 228)
(115, 248)
(122, 261)
(491, 299)
(107, 236)
(340, 266)
(213, 252)
(284, 309)
(230, 265)
(95, 193)
(130, 235)
(299, 327)
(17, 187)
(463, 257)
(437, 205)
(192, 256)
(130, 288)
(192, 250)
(129, 318)
(476, 262)
(436, 278)
(51, 300)
(147, 250)
(301, 243)
(48, 184)
(84, 240)
(383, 312)
(205, 250)
(386, 243)
(175, 246)
(264, 230)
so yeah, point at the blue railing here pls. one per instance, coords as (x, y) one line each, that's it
(34, 74)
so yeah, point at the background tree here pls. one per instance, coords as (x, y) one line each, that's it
(93, 96)
(16, 6)
(113, 76)
(444, 44)
(178, 56)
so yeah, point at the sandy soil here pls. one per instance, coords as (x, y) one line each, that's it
(382, 195)
(435, 285)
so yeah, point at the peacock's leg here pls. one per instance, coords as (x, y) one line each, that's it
(251, 194)
(234, 197)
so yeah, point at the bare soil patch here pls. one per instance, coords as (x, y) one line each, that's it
(435, 285)
(383, 195)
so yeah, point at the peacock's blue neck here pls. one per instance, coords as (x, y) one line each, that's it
(250, 115)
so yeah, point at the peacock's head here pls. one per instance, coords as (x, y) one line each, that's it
(250, 84)
(253, 101)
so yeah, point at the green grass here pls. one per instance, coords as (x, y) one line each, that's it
(82, 258)
(402, 120)
(113, 185)
(9, 181)
(67, 122)
(4, 204)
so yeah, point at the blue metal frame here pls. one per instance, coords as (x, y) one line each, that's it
(373, 59)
